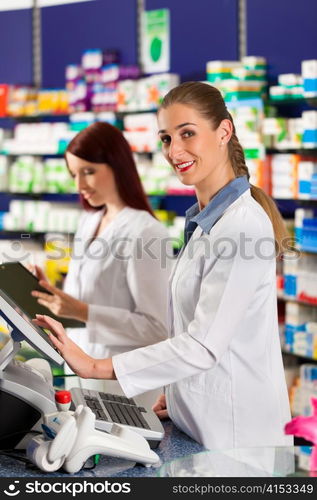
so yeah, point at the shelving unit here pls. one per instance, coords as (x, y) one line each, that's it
(295, 346)
(289, 298)
(304, 359)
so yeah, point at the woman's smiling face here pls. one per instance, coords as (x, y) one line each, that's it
(190, 144)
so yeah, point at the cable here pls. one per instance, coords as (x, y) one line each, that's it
(96, 459)
(23, 432)
(11, 454)
(21, 458)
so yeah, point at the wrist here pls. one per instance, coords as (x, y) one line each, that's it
(103, 369)
(82, 312)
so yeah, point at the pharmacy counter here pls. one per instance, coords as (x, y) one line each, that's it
(180, 456)
(175, 444)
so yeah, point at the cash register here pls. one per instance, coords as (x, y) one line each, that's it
(27, 393)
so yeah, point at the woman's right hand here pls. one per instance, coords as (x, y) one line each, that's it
(37, 271)
(79, 362)
(160, 408)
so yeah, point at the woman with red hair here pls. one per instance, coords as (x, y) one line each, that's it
(117, 280)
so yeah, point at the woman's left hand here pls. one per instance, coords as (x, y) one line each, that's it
(82, 364)
(60, 303)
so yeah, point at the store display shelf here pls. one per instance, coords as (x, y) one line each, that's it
(171, 195)
(177, 203)
(310, 101)
(297, 200)
(66, 116)
(58, 197)
(30, 153)
(35, 116)
(309, 250)
(298, 355)
(24, 235)
(300, 151)
(136, 111)
(291, 298)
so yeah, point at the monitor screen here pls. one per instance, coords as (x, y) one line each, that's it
(18, 282)
(33, 334)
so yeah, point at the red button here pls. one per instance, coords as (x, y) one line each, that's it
(63, 397)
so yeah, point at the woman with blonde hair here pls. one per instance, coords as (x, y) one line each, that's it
(222, 365)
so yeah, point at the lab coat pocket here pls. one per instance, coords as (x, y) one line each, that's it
(189, 276)
(211, 382)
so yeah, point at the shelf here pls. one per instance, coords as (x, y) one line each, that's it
(151, 195)
(168, 198)
(297, 200)
(25, 235)
(284, 351)
(64, 197)
(310, 101)
(300, 151)
(288, 298)
(36, 117)
(2, 153)
(139, 111)
(309, 250)
(66, 116)
(172, 195)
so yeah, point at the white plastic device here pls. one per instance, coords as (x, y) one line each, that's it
(76, 439)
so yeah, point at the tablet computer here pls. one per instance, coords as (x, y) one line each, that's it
(31, 333)
(18, 282)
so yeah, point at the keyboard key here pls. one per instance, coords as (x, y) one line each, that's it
(144, 423)
(125, 400)
(91, 404)
(107, 397)
(120, 414)
(128, 419)
(111, 412)
(101, 415)
(133, 416)
(121, 410)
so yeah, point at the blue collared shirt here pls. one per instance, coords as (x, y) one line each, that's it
(208, 217)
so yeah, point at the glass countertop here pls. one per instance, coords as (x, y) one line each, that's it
(288, 461)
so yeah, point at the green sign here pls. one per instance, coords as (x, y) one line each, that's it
(155, 52)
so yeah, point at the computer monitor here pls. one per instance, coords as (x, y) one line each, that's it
(31, 333)
(18, 283)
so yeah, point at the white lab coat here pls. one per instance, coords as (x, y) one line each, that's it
(124, 285)
(222, 365)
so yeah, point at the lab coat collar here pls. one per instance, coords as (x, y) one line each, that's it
(94, 220)
(208, 217)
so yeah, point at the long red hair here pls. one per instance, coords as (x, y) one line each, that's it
(104, 143)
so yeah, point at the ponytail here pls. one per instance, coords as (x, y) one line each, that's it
(240, 168)
(281, 233)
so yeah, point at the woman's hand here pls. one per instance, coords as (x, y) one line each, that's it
(60, 303)
(38, 272)
(81, 364)
(159, 407)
